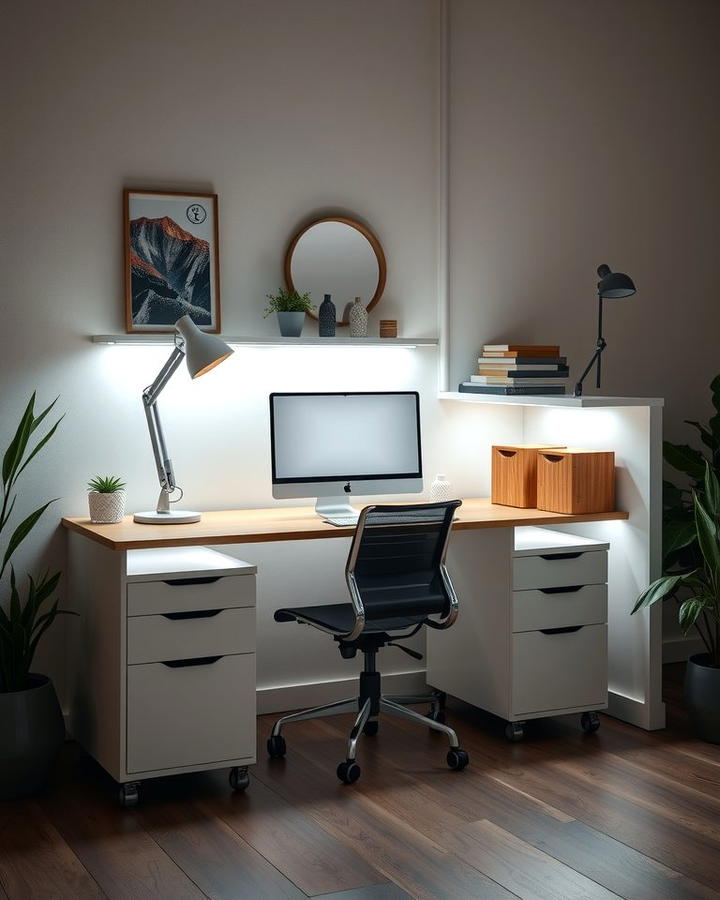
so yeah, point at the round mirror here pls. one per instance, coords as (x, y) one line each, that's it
(336, 256)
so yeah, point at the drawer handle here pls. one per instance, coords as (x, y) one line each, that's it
(551, 556)
(568, 630)
(571, 589)
(552, 457)
(200, 661)
(175, 582)
(197, 614)
(507, 453)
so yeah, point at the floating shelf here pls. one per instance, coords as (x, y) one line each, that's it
(564, 401)
(164, 339)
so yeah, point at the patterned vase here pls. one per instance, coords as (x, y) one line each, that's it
(106, 508)
(358, 319)
(326, 316)
(440, 490)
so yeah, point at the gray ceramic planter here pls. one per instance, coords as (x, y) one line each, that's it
(291, 323)
(31, 734)
(702, 694)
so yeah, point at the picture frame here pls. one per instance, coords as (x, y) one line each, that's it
(171, 260)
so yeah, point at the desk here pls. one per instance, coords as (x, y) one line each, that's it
(248, 526)
(124, 707)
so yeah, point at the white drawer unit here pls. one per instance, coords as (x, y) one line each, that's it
(533, 642)
(170, 684)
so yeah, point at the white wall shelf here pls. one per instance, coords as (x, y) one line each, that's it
(163, 339)
(564, 401)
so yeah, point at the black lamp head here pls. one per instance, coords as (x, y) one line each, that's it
(614, 285)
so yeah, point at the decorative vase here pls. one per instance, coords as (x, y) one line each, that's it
(702, 695)
(106, 508)
(326, 316)
(440, 490)
(358, 319)
(291, 323)
(31, 734)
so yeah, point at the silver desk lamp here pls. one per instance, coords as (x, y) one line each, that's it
(202, 352)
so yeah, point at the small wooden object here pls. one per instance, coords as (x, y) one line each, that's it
(514, 474)
(576, 481)
(388, 328)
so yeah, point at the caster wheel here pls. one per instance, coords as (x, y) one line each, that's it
(348, 771)
(589, 722)
(514, 731)
(276, 746)
(370, 728)
(239, 778)
(129, 794)
(457, 759)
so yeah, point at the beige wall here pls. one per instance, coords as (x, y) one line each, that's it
(588, 132)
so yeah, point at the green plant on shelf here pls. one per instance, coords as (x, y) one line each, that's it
(106, 484)
(22, 621)
(288, 300)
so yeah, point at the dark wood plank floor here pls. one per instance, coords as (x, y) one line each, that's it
(623, 813)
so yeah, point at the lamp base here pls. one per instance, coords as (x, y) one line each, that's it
(174, 517)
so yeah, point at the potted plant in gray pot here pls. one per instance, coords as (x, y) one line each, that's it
(290, 308)
(700, 609)
(31, 723)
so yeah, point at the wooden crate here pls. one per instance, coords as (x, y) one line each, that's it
(575, 481)
(514, 474)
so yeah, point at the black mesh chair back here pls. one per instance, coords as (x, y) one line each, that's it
(397, 557)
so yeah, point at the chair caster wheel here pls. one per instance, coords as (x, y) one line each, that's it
(515, 731)
(348, 771)
(457, 759)
(370, 728)
(276, 746)
(239, 778)
(129, 794)
(589, 722)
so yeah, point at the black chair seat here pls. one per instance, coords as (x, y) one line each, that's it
(340, 618)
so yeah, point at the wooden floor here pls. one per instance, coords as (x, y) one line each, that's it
(622, 813)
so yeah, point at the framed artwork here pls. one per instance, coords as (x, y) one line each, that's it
(171, 260)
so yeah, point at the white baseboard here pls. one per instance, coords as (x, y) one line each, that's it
(680, 648)
(286, 697)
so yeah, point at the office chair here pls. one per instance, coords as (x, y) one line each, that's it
(397, 580)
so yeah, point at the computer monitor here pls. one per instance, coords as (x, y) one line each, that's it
(336, 445)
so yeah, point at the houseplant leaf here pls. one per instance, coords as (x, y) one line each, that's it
(712, 492)
(21, 532)
(707, 437)
(658, 590)
(677, 535)
(685, 459)
(689, 611)
(17, 445)
(707, 538)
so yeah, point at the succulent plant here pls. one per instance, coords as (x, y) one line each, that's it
(106, 484)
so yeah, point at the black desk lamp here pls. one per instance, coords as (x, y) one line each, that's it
(612, 286)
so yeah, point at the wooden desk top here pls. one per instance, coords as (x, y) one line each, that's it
(284, 523)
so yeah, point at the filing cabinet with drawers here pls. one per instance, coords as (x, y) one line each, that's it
(532, 642)
(164, 675)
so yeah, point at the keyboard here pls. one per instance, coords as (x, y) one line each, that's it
(341, 521)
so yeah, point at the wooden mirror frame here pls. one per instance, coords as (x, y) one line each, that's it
(366, 233)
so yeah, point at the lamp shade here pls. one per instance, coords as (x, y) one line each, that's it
(202, 351)
(614, 285)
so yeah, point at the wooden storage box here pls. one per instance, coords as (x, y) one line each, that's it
(514, 474)
(575, 481)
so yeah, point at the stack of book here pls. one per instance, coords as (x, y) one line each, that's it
(518, 369)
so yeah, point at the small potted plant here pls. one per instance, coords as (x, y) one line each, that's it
(106, 496)
(291, 308)
(699, 609)
(31, 723)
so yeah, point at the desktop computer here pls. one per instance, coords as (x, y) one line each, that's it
(334, 446)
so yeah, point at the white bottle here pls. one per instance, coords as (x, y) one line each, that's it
(358, 319)
(440, 490)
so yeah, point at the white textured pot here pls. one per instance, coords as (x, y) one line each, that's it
(106, 508)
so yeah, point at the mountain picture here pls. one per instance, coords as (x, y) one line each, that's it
(169, 266)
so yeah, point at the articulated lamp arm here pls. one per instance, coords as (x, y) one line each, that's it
(163, 463)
